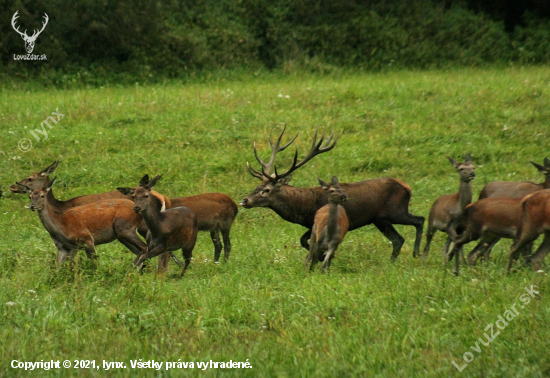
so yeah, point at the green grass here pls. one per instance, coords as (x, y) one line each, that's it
(367, 317)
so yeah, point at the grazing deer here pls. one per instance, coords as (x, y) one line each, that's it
(505, 189)
(84, 227)
(169, 229)
(215, 211)
(535, 220)
(330, 225)
(382, 202)
(489, 220)
(447, 210)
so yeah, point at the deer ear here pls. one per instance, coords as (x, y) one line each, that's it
(284, 181)
(540, 167)
(49, 185)
(468, 158)
(335, 181)
(48, 171)
(323, 184)
(144, 180)
(126, 191)
(153, 182)
(24, 188)
(453, 161)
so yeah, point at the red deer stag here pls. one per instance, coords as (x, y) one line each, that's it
(215, 211)
(505, 189)
(447, 209)
(535, 220)
(382, 202)
(169, 230)
(330, 225)
(84, 227)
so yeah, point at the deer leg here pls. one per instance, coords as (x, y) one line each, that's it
(479, 250)
(329, 256)
(226, 243)
(527, 253)
(155, 251)
(393, 236)
(305, 238)
(408, 219)
(187, 255)
(541, 252)
(164, 262)
(133, 243)
(215, 235)
(142, 229)
(429, 236)
(446, 250)
(62, 255)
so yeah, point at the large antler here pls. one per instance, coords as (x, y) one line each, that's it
(266, 167)
(316, 149)
(13, 19)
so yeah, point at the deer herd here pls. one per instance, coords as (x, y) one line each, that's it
(512, 210)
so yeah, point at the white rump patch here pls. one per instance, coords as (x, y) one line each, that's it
(163, 208)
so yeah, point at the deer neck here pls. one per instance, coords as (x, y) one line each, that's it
(332, 221)
(465, 194)
(546, 183)
(153, 213)
(50, 215)
(298, 205)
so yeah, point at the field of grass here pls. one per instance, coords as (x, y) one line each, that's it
(367, 317)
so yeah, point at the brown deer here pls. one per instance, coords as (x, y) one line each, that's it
(445, 213)
(382, 202)
(215, 211)
(489, 220)
(169, 229)
(505, 189)
(330, 225)
(535, 220)
(84, 227)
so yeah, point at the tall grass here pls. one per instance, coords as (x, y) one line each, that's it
(367, 317)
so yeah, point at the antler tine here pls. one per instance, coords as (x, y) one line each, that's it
(13, 19)
(275, 148)
(254, 172)
(316, 149)
(36, 32)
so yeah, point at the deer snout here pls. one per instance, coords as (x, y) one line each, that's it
(244, 202)
(137, 209)
(15, 189)
(344, 197)
(32, 207)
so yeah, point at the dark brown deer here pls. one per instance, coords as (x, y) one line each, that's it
(505, 189)
(84, 227)
(382, 202)
(489, 220)
(446, 211)
(330, 225)
(215, 211)
(535, 220)
(169, 230)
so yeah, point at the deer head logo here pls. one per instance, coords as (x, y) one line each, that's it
(29, 41)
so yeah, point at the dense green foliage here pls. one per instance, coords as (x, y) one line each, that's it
(96, 42)
(367, 317)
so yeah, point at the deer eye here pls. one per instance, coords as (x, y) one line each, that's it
(42, 196)
(147, 195)
(267, 190)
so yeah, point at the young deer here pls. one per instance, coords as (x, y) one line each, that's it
(330, 226)
(169, 229)
(446, 212)
(535, 220)
(215, 211)
(488, 220)
(382, 202)
(84, 227)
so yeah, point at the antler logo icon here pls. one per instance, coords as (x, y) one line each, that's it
(29, 41)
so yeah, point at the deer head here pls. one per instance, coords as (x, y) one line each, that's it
(466, 170)
(266, 192)
(335, 193)
(36, 180)
(140, 194)
(29, 41)
(37, 196)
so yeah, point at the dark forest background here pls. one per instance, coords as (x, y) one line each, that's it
(150, 40)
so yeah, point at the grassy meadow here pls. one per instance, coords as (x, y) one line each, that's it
(367, 317)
